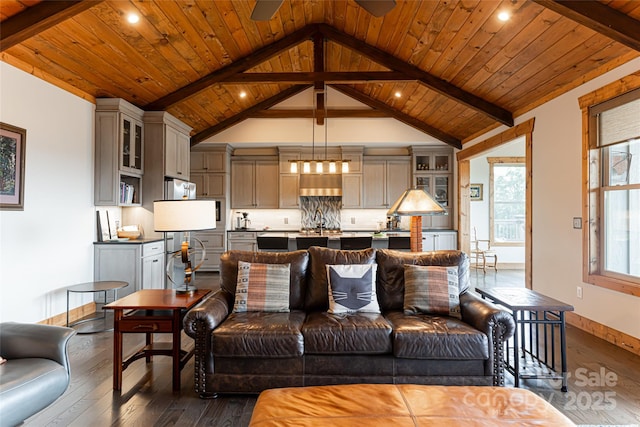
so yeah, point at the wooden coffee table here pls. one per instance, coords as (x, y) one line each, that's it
(152, 311)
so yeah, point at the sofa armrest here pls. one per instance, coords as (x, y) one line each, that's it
(207, 315)
(496, 323)
(27, 340)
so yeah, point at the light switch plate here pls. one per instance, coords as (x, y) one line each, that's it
(577, 222)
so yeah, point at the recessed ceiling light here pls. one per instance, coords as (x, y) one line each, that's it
(133, 18)
(504, 16)
(243, 94)
(398, 94)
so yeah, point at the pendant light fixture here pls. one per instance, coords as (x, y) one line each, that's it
(318, 165)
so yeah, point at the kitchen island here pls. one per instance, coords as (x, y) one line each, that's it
(245, 239)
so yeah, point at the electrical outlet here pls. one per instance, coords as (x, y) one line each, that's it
(577, 222)
(353, 220)
(286, 220)
(579, 292)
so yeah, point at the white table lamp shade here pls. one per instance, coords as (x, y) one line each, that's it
(416, 202)
(184, 215)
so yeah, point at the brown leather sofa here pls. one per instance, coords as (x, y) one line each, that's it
(253, 351)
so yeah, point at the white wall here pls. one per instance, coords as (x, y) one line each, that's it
(48, 245)
(557, 198)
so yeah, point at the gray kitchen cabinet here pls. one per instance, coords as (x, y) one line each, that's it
(214, 245)
(254, 184)
(385, 180)
(242, 240)
(139, 264)
(168, 144)
(209, 185)
(289, 191)
(119, 154)
(433, 172)
(439, 241)
(352, 190)
(209, 161)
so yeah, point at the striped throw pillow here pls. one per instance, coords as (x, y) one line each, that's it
(262, 287)
(431, 290)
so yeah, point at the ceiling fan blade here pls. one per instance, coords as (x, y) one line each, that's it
(264, 10)
(377, 8)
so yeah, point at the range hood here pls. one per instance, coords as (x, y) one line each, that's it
(321, 184)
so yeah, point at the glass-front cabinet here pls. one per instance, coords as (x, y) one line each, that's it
(433, 172)
(131, 152)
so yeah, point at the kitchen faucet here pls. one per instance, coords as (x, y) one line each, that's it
(315, 218)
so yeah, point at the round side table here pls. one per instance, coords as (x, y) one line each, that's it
(94, 287)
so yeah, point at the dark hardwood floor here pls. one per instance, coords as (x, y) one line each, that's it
(604, 387)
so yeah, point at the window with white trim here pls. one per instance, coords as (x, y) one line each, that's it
(507, 200)
(614, 188)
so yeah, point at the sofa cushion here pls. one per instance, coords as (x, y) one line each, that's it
(352, 288)
(432, 290)
(260, 334)
(390, 281)
(424, 336)
(357, 333)
(317, 295)
(262, 287)
(298, 260)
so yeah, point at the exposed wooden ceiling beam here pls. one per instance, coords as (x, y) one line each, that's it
(441, 86)
(400, 116)
(267, 103)
(235, 67)
(599, 17)
(308, 113)
(39, 18)
(327, 77)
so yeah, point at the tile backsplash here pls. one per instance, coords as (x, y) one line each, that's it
(330, 207)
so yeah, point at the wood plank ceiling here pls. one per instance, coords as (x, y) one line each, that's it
(460, 70)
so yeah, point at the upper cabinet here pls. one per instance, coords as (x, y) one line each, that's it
(255, 183)
(385, 180)
(119, 159)
(433, 172)
(352, 181)
(210, 171)
(168, 141)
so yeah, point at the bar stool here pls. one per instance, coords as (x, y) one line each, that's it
(306, 242)
(273, 244)
(352, 243)
(399, 242)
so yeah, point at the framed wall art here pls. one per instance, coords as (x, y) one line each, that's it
(12, 153)
(475, 192)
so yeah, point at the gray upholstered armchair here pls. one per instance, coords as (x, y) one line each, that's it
(36, 372)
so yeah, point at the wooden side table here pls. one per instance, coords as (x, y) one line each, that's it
(152, 311)
(532, 309)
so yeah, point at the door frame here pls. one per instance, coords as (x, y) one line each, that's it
(464, 202)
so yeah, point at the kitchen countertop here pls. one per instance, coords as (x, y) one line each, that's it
(130, 242)
(336, 236)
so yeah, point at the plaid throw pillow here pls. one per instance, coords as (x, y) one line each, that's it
(431, 290)
(262, 287)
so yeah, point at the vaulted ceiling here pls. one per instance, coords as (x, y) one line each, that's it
(458, 69)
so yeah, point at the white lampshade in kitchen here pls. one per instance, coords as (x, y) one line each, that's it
(184, 215)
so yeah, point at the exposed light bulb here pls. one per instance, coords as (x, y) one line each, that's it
(504, 16)
(306, 167)
(332, 167)
(243, 94)
(345, 167)
(319, 167)
(293, 167)
(398, 94)
(133, 18)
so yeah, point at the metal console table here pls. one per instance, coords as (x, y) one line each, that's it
(94, 287)
(533, 312)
